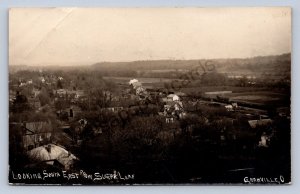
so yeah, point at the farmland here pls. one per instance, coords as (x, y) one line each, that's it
(256, 95)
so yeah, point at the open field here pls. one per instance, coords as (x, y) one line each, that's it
(234, 89)
(257, 95)
(263, 98)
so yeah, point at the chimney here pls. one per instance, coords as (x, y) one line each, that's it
(48, 148)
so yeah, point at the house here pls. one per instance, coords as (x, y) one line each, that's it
(29, 81)
(22, 84)
(60, 92)
(173, 97)
(133, 81)
(229, 107)
(137, 88)
(79, 94)
(234, 105)
(114, 109)
(115, 106)
(36, 134)
(42, 79)
(52, 154)
(261, 122)
(170, 119)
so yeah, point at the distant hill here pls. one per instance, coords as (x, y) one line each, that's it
(275, 65)
(278, 64)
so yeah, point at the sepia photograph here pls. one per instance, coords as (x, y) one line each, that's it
(150, 96)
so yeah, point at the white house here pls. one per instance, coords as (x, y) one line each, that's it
(29, 81)
(173, 97)
(229, 107)
(50, 153)
(133, 81)
(42, 79)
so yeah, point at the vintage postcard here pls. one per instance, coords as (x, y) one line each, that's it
(150, 96)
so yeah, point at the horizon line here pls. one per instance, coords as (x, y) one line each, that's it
(131, 61)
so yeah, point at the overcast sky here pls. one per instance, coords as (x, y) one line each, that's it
(73, 36)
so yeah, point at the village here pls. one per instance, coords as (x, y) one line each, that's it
(148, 95)
(54, 120)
